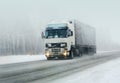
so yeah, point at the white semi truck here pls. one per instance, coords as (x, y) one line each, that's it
(67, 39)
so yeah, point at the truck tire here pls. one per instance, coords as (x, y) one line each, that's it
(77, 52)
(80, 54)
(71, 55)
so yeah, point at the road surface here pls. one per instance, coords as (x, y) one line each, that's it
(46, 71)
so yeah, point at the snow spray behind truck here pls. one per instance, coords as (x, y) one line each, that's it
(67, 39)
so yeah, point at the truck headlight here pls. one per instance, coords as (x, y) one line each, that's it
(47, 53)
(65, 53)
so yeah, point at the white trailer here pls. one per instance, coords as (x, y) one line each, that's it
(67, 39)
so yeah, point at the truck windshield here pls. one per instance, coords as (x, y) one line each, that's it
(56, 33)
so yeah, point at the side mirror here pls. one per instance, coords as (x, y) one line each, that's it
(70, 33)
(42, 35)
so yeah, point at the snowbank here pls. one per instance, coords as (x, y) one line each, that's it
(20, 58)
(105, 73)
(99, 52)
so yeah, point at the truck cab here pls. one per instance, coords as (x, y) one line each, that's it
(58, 40)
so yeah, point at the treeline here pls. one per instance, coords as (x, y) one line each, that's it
(19, 44)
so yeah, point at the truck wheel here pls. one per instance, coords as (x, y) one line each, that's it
(77, 53)
(71, 55)
(80, 54)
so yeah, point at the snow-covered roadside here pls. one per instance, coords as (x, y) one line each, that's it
(26, 58)
(20, 58)
(100, 52)
(105, 73)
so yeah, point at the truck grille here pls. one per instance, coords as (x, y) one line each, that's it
(56, 50)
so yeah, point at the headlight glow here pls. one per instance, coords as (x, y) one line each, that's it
(65, 53)
(47, 53)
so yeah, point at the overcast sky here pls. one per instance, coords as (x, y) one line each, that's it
(23, 15)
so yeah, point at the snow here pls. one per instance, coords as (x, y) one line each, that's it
(101, 52)
(26, 58)
(108, 72)
(20, 58)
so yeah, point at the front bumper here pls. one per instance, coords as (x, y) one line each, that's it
(60, 54)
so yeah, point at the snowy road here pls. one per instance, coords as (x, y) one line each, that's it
(53, 71)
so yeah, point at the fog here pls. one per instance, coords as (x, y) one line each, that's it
(21, 22)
